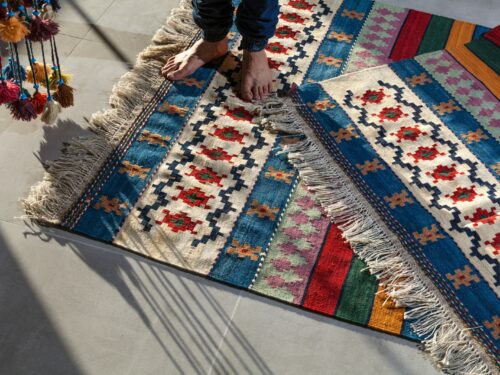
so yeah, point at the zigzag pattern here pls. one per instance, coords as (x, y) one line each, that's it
(447, 153)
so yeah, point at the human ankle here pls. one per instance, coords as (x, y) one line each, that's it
(219, 46)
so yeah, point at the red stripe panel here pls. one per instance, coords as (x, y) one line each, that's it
(494, 35)
(411, 35)
(328, 276)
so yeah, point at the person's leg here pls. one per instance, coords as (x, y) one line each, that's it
(256, 21)
(215, 18)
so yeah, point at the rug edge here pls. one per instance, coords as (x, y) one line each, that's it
(66, 178)
(449, 343)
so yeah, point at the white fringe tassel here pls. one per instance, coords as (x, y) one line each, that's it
(449, 343)
(67, 177)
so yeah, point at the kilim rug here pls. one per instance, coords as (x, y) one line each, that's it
(183, 174)
(405, 160)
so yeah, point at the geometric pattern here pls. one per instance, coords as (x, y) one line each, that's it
(469, 92)
(198, 184)
(428, 169)
(434, 165)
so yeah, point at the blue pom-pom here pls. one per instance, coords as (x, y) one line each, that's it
(11, 13)
(8, 71)
(4, 5)
(36, 13)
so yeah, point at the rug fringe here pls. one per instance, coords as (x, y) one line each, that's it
(66, 178)
(448, 342)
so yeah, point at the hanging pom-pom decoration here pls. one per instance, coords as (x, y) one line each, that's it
(57, 77)
(37, 73)
(64, 95)
(39, 100)
(22, 109)
(10, 71)
(50, 111)
(9, 91)
(41, 29)
(12, 29)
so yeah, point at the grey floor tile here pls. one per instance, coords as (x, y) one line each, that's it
(115, 23)
(291, 341)
(77, 16)
(76, 306)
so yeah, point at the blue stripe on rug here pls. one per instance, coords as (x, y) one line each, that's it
(437, 258)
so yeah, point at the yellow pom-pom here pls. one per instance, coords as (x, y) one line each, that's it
(54, 79)
(13, 30)
(39, 73)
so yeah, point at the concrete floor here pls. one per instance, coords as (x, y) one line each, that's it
(69, 305)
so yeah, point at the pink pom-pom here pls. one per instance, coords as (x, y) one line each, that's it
(9, 91)
(41, 29)
(22, 109)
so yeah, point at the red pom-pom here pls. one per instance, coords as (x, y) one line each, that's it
(9, 91)
(22, 109)
(42, 29)
(38, 100)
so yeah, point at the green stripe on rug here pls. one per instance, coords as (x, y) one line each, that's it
(357, 295)
(436, 35)
(487, 52)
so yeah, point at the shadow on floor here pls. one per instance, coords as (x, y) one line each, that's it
(30, 344)
(182, 303)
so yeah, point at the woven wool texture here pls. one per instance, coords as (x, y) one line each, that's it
(413, 144)
(194, 181)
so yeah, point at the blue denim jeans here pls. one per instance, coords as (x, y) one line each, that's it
(255, 19)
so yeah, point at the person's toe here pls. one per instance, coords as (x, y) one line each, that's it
(270, 88)
(169, 70)
(255, 93)
(264, 92)
(169, 67)
(181, 72)
(246, 94)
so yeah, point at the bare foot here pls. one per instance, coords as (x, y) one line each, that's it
(257, 78)
(187, 62)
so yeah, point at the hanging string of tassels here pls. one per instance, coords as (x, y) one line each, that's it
(19, 27)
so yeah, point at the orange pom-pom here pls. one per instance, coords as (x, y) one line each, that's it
(38, 69)
(13, 30)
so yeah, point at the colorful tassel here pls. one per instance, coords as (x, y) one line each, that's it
(13, 30)
(64, 95)
(9, 91)
(41, 29)
(51, 111)
(10, 72)
(39, 71)
(22, 109)
(48, 12)
(39, 100)
(54, 79)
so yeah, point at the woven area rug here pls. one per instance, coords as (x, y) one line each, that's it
(404, 159)
(183, 174)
